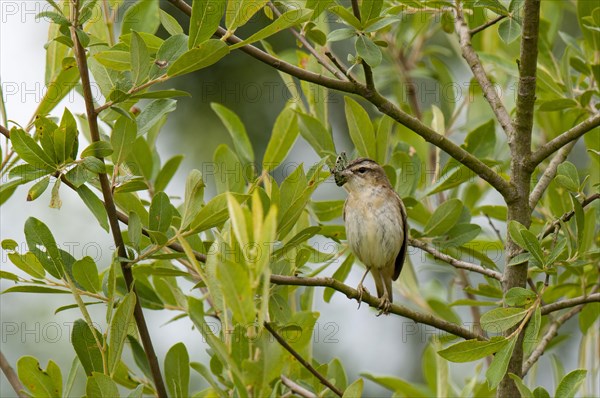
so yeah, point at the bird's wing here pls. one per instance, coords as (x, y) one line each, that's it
(402, 255)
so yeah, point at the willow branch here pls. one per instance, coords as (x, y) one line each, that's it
(303, 361)
(570, 135)
(549, 174)
(551, 333)
(320, 59)
(453, 261)
(4, 131)
(568, 215)
(383, 104)
(12, 377)
(488, 89)
(560, 305)
(486, 25)
(110, 207)
(374, 302)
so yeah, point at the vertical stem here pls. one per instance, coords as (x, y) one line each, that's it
(520, 147)
(110, 207)
(12, 377)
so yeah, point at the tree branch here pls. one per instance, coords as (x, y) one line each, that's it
(549, 174)
(296, 389)
(109, 205)
(4, 131)
(558, 142)
(384, 105)
(453, 261)
(559, 305)
(486, 25)
(303, 361)
(488, 89)
(12, 377)
(551, 333)
(567, 216)
(374, 302)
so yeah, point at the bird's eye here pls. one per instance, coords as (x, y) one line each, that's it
(362, 170)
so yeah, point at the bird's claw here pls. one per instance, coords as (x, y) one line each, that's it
(361, 290)
(384, 306)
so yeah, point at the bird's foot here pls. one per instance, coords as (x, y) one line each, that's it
(361, 290)
(385, 305)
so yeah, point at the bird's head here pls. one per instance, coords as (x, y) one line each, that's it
(361, 174)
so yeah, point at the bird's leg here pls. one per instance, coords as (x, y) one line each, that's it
(385, 304)
(360, 288)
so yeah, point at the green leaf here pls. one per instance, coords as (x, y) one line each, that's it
(8, 276)
(162, 94)
(514, 230)
(499, 364)
(204, 21)
(101, 386)
(569, 384)
(39, 237)
(114, 59)
(532, 245)
(530, 340)
(153, 113)
(327, 210)
(509, 30)
(288, 19)
(143, 16)
(38, 188)
(94, 165)
(194, 197)
(568, 176)
(235, 284)
(85, 273)
(501, 319)
(170, 23)
(122, 138)
(72, 376)
(458, 235)
(177, 371)
(368, 51)
(205, 54)
(399, 386)
(240, 11)
(482, 140)
(119, 326)
(98, 149)
(557, 105)
(354, 390)
(316, 134)
(85, 346)
(95, 205)
(28, 150)
(65, 138)
(214, 213)
(360, 128)
(285, 132)
(472, 350)
(35, 289)
(140, 59)
(59, 87)
(228, 171)
(347, 16)
(444, 218)
(39, 382)
(523, 389)
(370, 9)
(29, 263)
(340, 34)
(161, 213)
(519, 297)
(383, 134)
(237, 131)
(167, 172)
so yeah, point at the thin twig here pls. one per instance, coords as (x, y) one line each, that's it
(340, 66)
(559, 305)
(550, 334)
(320, 59)
(297, 389)
(453, 261)
(568, 215)
(12, 377)
(496, 230)
(372, 301)
(549, 174)
(303, 361)
(4, 131)
(109, 205)
(488, 89)
(366, 67)
(570, 135)
(486, 25)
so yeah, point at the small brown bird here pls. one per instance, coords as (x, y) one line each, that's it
(376, 223)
